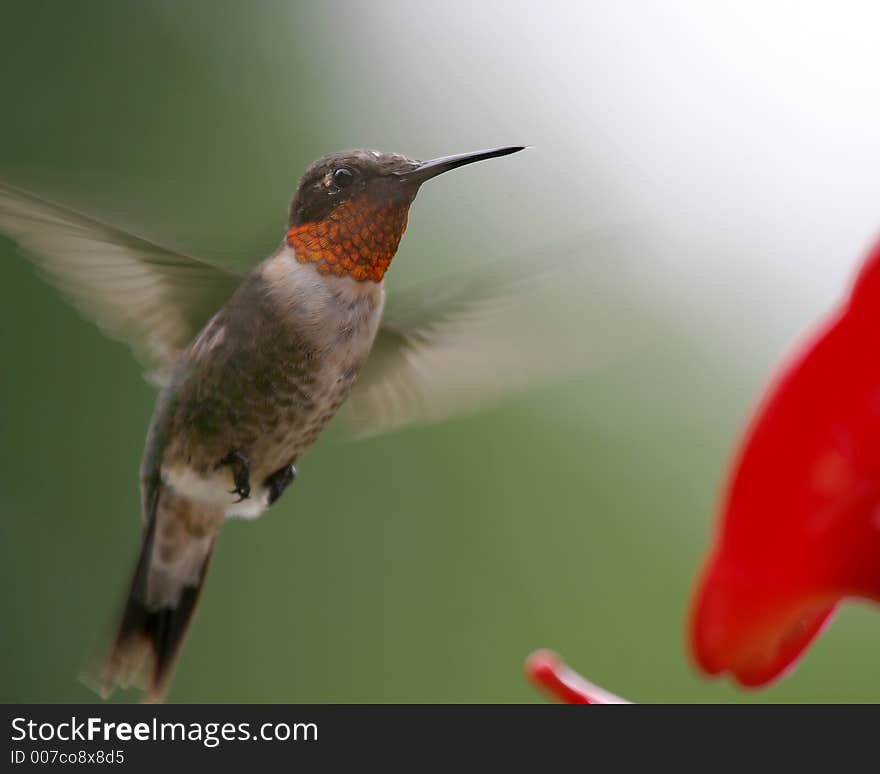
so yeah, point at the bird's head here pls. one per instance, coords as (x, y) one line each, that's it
(350, 209)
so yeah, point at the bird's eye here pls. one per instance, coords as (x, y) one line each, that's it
(343, 177)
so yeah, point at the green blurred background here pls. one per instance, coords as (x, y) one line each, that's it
(425, 565)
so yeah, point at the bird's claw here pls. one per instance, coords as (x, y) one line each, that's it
(279, 481)
(241, 470)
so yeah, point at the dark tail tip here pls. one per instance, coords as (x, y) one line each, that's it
(147, 646)
(149, 638)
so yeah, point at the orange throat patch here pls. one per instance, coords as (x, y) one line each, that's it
(357, 239)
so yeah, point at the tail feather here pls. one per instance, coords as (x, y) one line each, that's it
(174, 558)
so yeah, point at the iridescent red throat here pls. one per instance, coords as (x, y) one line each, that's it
(357, 239)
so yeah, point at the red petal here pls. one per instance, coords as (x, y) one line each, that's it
(551, 674)
(800, 521)
(755, 631)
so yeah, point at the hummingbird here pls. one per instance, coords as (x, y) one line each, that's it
(252, 367)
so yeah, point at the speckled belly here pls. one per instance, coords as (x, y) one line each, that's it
(267, 397)
(272, 412)
(297, 413)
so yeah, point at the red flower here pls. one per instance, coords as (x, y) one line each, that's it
(547, 671)
(800, 520)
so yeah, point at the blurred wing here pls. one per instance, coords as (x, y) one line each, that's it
(151, 297)
(451, 347)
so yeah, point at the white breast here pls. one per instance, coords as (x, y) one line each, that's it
(341, 317)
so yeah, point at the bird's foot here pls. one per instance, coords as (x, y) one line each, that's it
(279, 481)
(241, 473)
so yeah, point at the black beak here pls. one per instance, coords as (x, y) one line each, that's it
(428, 169)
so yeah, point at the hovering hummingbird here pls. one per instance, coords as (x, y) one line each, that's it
(253, 367)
